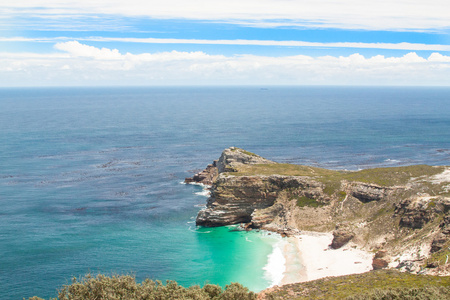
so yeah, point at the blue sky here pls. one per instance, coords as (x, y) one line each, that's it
(197, 42)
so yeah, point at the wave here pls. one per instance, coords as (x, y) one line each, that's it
(206, 186)
(196, 231)
(276, 264)
(205, 193)
(392, 160)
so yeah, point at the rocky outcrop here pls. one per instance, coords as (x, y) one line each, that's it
(442, 239)
(366, 192)
(206, 177)
(380, 260)
(233, 157)
(417, 212)
(229, 161)
(341, 237)
(439, 242)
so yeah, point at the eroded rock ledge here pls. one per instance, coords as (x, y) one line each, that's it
(402, 212)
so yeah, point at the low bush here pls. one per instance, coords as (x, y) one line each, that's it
(125, 287)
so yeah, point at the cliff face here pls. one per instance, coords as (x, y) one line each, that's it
(387, 209)
(235, 199)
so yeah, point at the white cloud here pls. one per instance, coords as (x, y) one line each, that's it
(346, 14)
(79, 50)
(77, 64)
(241, 42)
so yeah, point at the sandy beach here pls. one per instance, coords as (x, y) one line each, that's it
(308, 257)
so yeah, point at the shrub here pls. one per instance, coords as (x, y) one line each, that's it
(124, 287)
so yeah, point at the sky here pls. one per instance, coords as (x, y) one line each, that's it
(218, 42)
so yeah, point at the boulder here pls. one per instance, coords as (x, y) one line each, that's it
(341, 237)
(379, 263)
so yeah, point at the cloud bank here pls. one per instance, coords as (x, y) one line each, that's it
(242, 42)
(75, 63)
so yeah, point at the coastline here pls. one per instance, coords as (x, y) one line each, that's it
(308, 257)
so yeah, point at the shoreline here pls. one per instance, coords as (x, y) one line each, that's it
(307, 257)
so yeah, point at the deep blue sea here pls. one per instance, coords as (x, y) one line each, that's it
(90, 178)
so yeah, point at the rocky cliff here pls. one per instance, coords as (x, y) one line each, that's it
(402, 213)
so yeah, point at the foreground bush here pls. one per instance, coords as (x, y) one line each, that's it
(124, 287)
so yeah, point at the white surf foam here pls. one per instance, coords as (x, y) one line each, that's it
(276, 264)
(205, 193)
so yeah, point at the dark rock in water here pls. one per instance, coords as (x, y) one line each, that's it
(341, 237)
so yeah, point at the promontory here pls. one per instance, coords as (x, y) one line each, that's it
(400, 214)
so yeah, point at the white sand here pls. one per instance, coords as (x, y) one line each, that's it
(308, 257)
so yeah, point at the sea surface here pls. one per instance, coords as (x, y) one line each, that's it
(91, 178)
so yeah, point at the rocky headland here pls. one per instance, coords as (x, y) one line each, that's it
(400, 214)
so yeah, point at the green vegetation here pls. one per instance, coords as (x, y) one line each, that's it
(393, 175)
(390, 176)
(281, 169)
(303, 201)
(342, 195)
(425, 293)
(382, 284)
(124, 287)
(383, 176)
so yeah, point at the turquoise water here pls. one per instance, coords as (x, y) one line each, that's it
(90, 179)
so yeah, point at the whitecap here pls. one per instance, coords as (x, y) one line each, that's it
(205, 186)
(392, 160)
(205, 193)
(276, 264)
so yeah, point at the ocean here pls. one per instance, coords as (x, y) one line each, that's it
(91, 178)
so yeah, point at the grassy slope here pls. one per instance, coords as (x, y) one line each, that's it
(391, 176)
(358, 284)
(383, 176)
